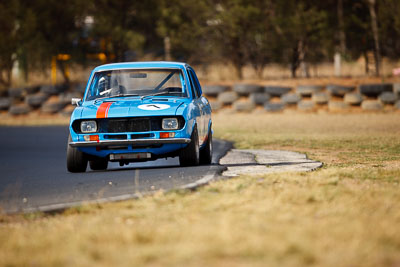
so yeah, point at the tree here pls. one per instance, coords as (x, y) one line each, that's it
(261, 40)
(304, 31)
(341, 27)
(9, 30)
(375, 33)
(389, 27)
(47, 28)
(293, 33)
(232, 17)
(186, 25)
(123, 26)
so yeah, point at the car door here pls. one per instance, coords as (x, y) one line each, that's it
(199, 105)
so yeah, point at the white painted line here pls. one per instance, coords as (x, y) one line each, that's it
(61, 206)
(54, 207)
(238, 162)
(203, 181)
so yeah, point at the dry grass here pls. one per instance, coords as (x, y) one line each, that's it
(34, 118)
(345, 214)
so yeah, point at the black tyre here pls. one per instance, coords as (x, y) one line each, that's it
(244, 106)
(32, 89)
(76, 160)
(246, 89)
(98, 164)
(214, 90)
(274, 107)
(397, 105)
(308, 90)
(372, 105)
(306, 105)
(79, 87)
(16, 93)
(374, 90)
(276, 90)
(353, 99)
(388, 98)
(5, 103)
(339, 90)
(54, 90)
(291, 98)
(396, 89)
(227, 98)
(36, 100)
(52, 107)
(259, 98)
(19, 109)
(190, 155)
(207, 151)
(337, 106)
(320, 98)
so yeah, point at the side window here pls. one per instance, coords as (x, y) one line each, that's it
(192, 85)
(196, 82)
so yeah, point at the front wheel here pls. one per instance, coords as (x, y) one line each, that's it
(98, 164)
(207, 151)
(76, 160)
(190, 155)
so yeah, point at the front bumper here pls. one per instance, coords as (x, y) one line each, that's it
(130, 142)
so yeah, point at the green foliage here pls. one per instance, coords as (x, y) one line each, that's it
(120, 25)
(241, 32)
(304, 31)
(185, 23)
(10, 28)
(389, 21)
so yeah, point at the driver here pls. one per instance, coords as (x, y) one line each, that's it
(109, 88)
(102, 86)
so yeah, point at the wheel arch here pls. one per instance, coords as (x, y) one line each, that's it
(210, 127)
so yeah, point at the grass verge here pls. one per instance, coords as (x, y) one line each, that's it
(34, 118)
(346, 213)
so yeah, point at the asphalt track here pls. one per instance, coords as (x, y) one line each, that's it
(33, 174)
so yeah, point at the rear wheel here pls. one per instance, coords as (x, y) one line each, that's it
(206, 152)
(76, 160)
(98, 164)
(190, 155)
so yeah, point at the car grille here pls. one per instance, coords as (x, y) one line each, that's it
(129, 125)
(134, 125)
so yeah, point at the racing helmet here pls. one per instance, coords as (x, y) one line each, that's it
(102, 85)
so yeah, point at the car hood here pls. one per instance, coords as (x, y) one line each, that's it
(130, 108)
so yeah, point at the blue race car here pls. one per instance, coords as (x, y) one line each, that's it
(140, 111)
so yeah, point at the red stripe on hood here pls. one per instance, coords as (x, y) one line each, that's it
(102, 111)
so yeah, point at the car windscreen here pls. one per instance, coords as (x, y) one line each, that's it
(134, 82)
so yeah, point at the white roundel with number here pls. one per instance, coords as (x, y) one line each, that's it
(153, 107)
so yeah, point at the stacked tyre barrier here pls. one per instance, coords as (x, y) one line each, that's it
(45, 99)
(307, 98)
(240, 97)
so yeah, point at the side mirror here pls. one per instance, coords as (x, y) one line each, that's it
(76, 101)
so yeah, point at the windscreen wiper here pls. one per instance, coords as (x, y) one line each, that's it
(113, 96)
(159, 93)
(119, 95)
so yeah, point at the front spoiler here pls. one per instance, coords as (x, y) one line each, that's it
(130, 142)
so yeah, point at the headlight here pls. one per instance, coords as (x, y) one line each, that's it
(170, 124)
(88, 126)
